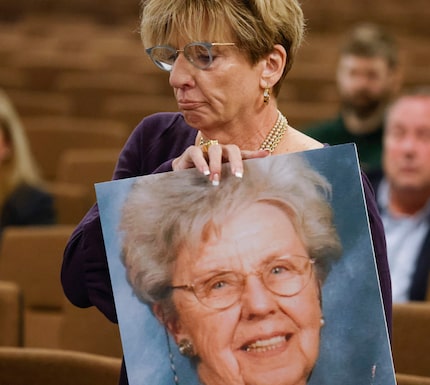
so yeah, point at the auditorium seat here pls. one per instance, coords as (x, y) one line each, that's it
(88, 330)
(39, 366)
(408, 379)
(50, 136)
(72, 201)
(131, 109)
(84, 167)
(411, 338)
(11, 314)
(34, 102)
(31, 257)
(87, 166)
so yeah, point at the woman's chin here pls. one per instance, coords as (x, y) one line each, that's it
(273, 366)
(195, 117)
(285, 375)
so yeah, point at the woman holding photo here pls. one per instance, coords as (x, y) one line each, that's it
(227, 61)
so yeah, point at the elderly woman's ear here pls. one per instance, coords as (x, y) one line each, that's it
(182, 339)
(171, 323)
(274, 64)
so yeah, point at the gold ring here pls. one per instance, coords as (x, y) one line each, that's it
(205, 144)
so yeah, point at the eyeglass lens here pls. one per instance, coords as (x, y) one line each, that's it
(163, 57)
(198, 54)
(285, 277)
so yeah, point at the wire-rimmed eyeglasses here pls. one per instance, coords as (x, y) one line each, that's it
(285, 276)
(197, 53)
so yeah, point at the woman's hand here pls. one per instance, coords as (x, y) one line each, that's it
(209, 158)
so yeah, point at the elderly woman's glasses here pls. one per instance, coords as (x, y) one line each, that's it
(285, 276)
(199, 54)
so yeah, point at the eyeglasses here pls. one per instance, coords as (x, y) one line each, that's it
(198, 53)
(285, 276)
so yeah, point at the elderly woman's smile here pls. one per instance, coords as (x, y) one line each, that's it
(265, 345)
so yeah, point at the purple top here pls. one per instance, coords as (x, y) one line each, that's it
(152, 146)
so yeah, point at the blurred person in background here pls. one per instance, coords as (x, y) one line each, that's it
(403, 194)
(23, 200)
(368, 76)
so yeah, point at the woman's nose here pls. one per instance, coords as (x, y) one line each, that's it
(257, 300)
(181, 73)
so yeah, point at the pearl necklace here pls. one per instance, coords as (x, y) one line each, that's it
(271, 141)
(276, 134)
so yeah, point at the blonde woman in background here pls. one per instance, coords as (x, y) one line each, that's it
(23, 200)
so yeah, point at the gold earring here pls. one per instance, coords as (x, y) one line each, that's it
(186, 348)
(266, 95)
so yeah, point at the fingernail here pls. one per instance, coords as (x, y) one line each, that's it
(215, 180)
(238, 174)
(206, 172)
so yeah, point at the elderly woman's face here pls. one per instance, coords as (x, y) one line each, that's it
(216, 97)
(262, 338)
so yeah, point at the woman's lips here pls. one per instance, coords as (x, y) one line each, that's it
(265, 345)
(188, 104)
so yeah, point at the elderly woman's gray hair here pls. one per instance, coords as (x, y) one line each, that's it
(164, 213)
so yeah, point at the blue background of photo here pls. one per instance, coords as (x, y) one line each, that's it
(355, 347)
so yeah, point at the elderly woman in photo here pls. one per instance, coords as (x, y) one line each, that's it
(235, 272)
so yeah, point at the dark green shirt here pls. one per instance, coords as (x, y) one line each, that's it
(369, 146)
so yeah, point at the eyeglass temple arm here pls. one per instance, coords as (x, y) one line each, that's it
(184, 287)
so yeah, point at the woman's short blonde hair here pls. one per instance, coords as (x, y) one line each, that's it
(254, 25)
(161, 217)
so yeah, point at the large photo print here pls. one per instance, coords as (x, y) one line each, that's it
(269, 279)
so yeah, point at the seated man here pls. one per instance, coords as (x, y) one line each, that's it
(403, 194)
(367, 79)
